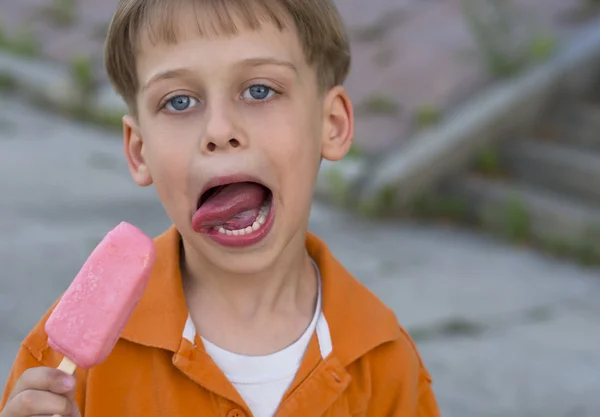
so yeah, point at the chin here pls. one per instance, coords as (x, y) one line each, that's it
(246, 263)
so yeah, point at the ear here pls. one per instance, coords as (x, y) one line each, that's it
(338, 121)
(133, 145)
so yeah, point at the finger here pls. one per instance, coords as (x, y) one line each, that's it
(74, 406)
(53, 415)
(42, 403)
(48, 415)
(75, 410)
(71, 393)
(73, 414)
(44, 379)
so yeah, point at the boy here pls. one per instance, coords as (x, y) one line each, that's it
(233, 104)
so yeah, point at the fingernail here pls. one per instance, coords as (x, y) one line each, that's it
(68, 382)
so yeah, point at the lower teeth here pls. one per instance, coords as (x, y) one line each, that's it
(261, 219)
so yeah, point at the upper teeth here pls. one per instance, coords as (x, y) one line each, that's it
(261, 219)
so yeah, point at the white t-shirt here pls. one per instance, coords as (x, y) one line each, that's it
(262, 381)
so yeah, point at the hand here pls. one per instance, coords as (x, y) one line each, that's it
(42, 392)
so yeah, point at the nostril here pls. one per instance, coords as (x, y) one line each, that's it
(211, 147)
(234, 143)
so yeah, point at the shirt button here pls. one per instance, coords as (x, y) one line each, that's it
(236, 413)
(336, 377)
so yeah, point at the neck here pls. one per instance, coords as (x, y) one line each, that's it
(285, 285)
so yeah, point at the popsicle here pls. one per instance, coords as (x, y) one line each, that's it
(91, 315)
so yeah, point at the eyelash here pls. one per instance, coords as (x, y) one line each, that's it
(272, 90)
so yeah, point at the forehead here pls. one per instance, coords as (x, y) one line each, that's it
(218, 32)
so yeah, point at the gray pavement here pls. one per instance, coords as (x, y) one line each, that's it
(504, 331)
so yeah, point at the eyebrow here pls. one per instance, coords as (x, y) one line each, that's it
(167, 75)
(258, 62)
(252, 62)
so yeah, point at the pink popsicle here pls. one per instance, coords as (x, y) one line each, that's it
(91, 315)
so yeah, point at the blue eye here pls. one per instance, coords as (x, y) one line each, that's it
(258, 92)
(180, 103)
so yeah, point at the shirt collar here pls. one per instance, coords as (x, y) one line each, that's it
(358, 321)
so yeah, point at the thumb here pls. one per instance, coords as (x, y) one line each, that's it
(75, 408)
(75, 412)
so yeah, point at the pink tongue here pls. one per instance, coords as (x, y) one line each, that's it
(234, 207)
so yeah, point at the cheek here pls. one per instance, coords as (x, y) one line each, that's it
(287, 131)
(168, 159)
(294, 149)
(168, 146)
(292, 141)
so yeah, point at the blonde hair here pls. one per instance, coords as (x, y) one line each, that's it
(320, 28)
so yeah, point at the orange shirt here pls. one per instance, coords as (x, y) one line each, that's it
(374, 369)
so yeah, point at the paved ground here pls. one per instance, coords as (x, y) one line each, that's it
(411, 53)
(505, 332)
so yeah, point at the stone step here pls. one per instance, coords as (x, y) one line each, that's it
(571, 171)
(527, 212)
(576, 123)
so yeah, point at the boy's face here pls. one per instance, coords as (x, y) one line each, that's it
(240, 110)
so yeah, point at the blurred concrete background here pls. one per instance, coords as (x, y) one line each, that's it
(493, 274)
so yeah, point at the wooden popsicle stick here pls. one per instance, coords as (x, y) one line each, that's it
(67, 366)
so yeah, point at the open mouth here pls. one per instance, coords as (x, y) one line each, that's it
(234, 210)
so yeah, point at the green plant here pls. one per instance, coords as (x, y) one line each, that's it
(83, 75)
(542, 46)
(3, 38)
(7, 82)
(588, 250)
(557, 247)
(489, 23)
(427, 115)
(517, 222)
(386, 199)
(24, 43)
(110, 120)
(487, 161)
(367, 209)
(355, 151)
(460, 327)
(79, 110)
(383, 203)
(453, 207)
(506, 43)
(378, 104)
(337, 184)
(442, 206)
(63, 13)
(587, 254)
(423, 206)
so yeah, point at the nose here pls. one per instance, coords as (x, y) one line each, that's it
(221, 133)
